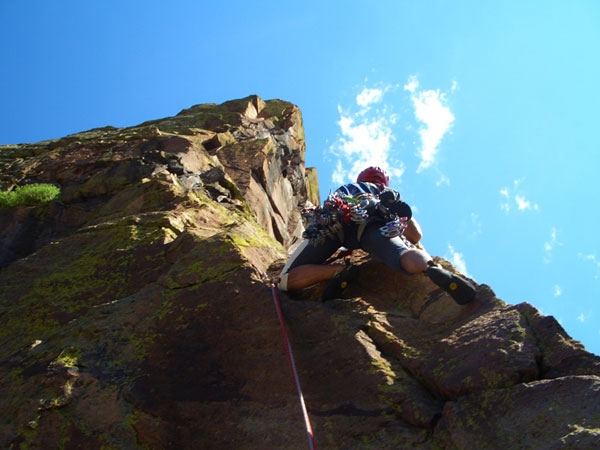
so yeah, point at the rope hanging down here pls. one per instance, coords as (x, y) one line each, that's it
(288, 348)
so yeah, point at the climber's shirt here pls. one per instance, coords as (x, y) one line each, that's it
(355, 190)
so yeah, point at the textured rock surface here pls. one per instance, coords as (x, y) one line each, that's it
(135, 314)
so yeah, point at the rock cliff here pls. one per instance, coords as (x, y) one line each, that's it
(135, 313)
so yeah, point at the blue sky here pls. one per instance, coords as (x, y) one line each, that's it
(484, 112)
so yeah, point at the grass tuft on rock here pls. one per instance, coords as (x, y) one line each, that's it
(29, 195)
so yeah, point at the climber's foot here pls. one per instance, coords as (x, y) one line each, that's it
(461, 290)
(338, 284)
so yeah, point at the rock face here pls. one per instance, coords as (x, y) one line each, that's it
(136, 315)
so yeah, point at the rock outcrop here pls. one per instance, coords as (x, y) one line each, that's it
(136, 314)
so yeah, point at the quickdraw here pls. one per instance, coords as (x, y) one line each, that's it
(326, 220)
(394, 227)
(360, 207)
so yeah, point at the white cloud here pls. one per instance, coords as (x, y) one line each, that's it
(412, 84)
(339, 175)
(585, 316)
(365, 142)
(476, 226)
(591, 257)
(367, 131)
(443, 180)
(550, 244)
(366, 138)
(369, 96)
(457, 259)
(373, 136)
(513, 197)
(557, 290)
(436, 119)
(522, 203)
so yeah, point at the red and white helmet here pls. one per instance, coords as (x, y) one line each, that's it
(374, 175)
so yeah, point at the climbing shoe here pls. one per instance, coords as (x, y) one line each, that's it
(338, 284)
(460, 289)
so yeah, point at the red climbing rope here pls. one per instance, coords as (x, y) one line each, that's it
(288, 348)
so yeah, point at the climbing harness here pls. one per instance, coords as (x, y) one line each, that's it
(288, 348)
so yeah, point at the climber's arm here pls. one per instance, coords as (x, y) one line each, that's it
(413, 231)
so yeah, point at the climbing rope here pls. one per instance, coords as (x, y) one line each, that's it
(288, 348)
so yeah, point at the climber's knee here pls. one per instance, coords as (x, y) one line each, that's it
(414, 261)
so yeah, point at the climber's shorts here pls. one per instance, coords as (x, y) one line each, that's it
(388, 250)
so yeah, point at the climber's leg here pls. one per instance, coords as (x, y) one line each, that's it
(401, 256)
(308, 274)
(305, 266)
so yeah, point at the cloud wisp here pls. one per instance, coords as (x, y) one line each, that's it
(557, 290)
(585, 316)
(594, 260)
(458, 260)
(513, 199)
(550, 244)
(435, 117)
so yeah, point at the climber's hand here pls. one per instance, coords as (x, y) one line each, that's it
(394, 204)
(400, 208)
(388, 196)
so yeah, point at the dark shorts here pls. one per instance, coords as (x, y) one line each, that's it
(389, 250)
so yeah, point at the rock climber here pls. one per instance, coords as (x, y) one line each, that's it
(365, 215)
